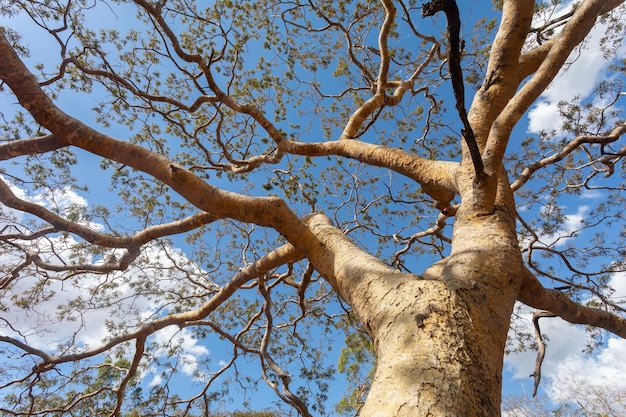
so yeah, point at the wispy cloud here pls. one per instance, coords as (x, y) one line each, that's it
(183, 340)
(88, 308)
(569, 229)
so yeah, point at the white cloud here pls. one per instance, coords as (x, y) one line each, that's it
(607, 365)
(591, 194)
(88, 324)
(156, 380)
(565, 364)
(7, 213)
(565, 340)
(181, 338)
(61, 198)
(190, 350)
(597, 383)
(569, 229)
(543, 117)
(618, 284)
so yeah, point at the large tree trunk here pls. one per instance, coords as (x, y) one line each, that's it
(439, 337)
(440, 344)
(434, 357)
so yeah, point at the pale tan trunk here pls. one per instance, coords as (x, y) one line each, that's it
(439, 337)
(440, 344)
(435, 359)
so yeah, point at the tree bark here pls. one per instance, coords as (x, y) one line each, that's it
(439, 337)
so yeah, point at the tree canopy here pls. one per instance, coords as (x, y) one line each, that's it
(205, 200)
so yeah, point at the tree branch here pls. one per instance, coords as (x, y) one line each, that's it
(140, 346)
(502, 78)
(265, 211)
(31, 146)
(383, 37)
(382, 83)
(541, 350)
(9, 199)
(250, 110)
(450, 8)
(434, 230)
(268, 361)
(573, 33)
(533, 294)
(280, 256)
(531, 60)
(613, 136)
(435, 177)
(378, 100)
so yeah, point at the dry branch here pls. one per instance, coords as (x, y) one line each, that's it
(451, 10)
(541, 348)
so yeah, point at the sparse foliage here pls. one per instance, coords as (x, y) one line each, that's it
(201, 201)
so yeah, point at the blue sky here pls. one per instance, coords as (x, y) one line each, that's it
(566, 342)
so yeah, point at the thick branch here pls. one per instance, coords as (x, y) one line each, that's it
(382, 84)
(531, 60)
(27, 348)
(435, 177)
(533, 294)
(502, 78)
(356, 275)
(140, 346)
(378, 100)
(541, 349)
(573, 33)
(31, 146)
(383, 37)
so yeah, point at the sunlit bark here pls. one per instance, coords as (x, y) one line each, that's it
(440, 336)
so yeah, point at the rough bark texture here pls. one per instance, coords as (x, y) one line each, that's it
(440, 337)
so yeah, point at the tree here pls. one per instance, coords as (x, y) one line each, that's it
(298, 151)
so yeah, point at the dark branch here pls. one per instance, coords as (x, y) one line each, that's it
(450, 8)
(541, 350)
